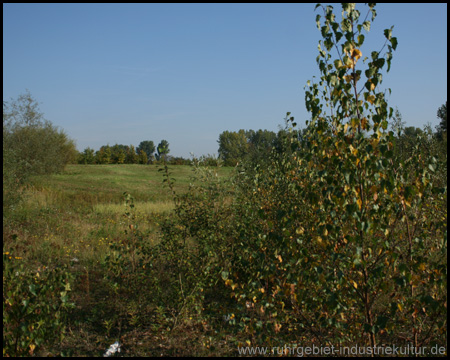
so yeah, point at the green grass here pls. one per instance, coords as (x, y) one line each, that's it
(84, 184)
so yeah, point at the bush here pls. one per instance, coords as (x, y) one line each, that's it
(31, 146)
(34, 305)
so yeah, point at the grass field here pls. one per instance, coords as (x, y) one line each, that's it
(74, 218)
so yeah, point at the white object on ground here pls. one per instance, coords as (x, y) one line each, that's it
(112, 349)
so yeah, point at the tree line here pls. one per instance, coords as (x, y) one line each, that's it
(256, 146)
(124, 154)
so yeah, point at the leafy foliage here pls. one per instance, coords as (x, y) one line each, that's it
(148, 147)
(162, 150)
(335, 237)
(34, 306)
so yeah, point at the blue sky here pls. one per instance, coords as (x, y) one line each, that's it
(124, 73)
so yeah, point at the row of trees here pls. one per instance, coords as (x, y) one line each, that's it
(124, 154)
(256, 146)
(235, 146)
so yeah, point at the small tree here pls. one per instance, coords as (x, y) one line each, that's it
(143, 159)
(103, 155)
(87, 156)
(162, 150)
(233, 147)
(343, 241)
(132, 157)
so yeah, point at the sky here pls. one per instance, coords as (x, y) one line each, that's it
(125, 73)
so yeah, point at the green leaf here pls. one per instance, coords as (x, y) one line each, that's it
(32, 288)
(388, 33)
(346, 25)
(394, 42)
(366, 25)
(360, 39)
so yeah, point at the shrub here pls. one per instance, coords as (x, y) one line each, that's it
(34, 306)
(31, 146)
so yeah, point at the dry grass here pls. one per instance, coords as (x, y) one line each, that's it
(143, 207)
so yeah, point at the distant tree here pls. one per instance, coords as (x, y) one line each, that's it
(132, 157)
(412, 132)
(162, 150)
(442, 127)
(87, 156)
(148, 147)
(34, 140)
(260, 144)
(103, 155)
(143, 159)
(397, 125)
(177, 160)
(118, 153)
(120, 156)
(233, 146)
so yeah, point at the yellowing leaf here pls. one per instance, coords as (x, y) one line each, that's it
(356, 54)
(359, 202)
(400, 306)
(355, 285)
(279, 258)
(364, 123)
(371, 99)
(262, 290)
(277, 327)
